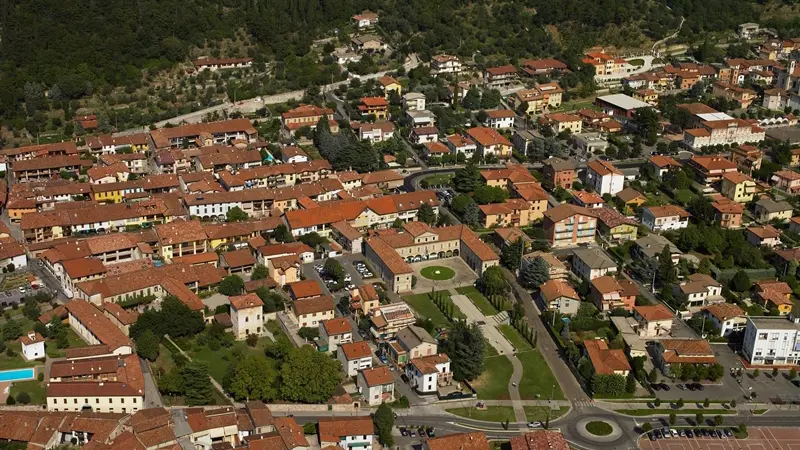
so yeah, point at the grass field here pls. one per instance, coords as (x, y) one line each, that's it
(490, 414)
(636, 62)
(34, 388)
(516, 339)
(537, 378)
(16, 361)
(437, 273)
(599, 428)
(74, 342)
(684, 195)
(664, 411)
(539, 413)
(424, 306)
(478, 299)
(493, 382)
(220, 360)
(438, 180)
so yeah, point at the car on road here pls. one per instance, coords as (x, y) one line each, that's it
(534, 424)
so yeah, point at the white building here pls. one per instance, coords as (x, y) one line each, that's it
(772, 340)
(354, 356)
(591, 263)
(500, 119)
(421, 118)
(445, 64)
(727, 317)
(461, 144)
(662, 218)
(604, 178)
(32, 346)
(426, 374)
(247, 315)
(347, 432)
(701, 290)
(336, 332)
(414, 101)
(376, 385)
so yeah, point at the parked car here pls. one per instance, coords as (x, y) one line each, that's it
(689, 433)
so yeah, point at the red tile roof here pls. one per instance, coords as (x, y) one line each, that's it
(97, 324)
(251, 300)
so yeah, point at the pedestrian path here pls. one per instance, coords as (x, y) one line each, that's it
(216, 385)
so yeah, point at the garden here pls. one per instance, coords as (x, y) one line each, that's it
(437, 273)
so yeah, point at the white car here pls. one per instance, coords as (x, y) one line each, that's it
(534, 424)
(348, 277)
(22, 289)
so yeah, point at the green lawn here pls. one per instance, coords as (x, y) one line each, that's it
(439, 180)
(437, 273)
(34, 388)
(599, 428)
(16, 361)
(424, 306)
(478, 299)
(636, 62)
(220, 360)
(493, 382)
(74, 340)
(516, 339)
(490, 350)
(539, 413)
(490, 414)
(684, 195)
(537, 378)
(667, 411)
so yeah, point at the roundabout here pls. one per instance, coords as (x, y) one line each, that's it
(596, 429)
(437, 273)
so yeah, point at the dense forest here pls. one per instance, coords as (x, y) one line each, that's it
(72, 49)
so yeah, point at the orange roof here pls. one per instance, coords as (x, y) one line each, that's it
(664, 161)
(724, 311)
(540, 440)
(487, 136)
(97, 324)
(691, 351)
(765, 232)
(667, 211)
(587, 198)
(356, 350)
(305, 289)
(374, 102)
(603, 168)
(605, 361)
(246, 301)
(333, 429)
(323, 303)
(377, 376)
(500, 113)
(337, 326)
(475, 440)
(553, 289)
(712, 162)
(652, 313)
(737, 177)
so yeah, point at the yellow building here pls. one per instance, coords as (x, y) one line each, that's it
(389, 85)
(632, 199)
(181, 239)
(738, 187)
(512, 213)
(616, 226)
(114, 192)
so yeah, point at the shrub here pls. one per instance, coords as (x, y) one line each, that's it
(40, 376)
(23, 398)
(11, 401)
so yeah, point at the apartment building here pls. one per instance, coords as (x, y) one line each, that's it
(772, 341)
(663, 218)
(204, 134)
(569, 225)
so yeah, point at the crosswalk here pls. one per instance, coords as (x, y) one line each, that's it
(581, 403)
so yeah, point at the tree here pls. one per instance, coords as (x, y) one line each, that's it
(465, 345)
(426, 214)
(647, 427)
(23, 398)
(698, 418)
(718, 420)
(471, 214)
(472, 99)
(282, 234)
(485, 195)
(252, 340)
(312, 239)
(260, 272)
(147, 345)
(740, 281)
(679, 403)
(493, 281)
(511, 254)
(31, 309)
(672, 418)
(653, 375)
(58, 331)
(491, 99)
(252, 378)
(384, 423)
(231, 285)
(733, 403)
(657, 402)
(196, 384)
(174, 318)
(774, 373)
(308, 376)
(667, 274)
(704, 267)
(756, 373)
(334, 270)
(793, 373)
(630, 383)
(12, 330)
(236, 214)
(467, 179)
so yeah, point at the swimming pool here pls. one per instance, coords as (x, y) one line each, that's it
(17, 375)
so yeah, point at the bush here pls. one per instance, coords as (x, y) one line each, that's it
(40, 376)
(10, 401)
(23, 398)
(252, 340)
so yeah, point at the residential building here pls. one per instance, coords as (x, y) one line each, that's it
(560, 172)
(539, 440)
(607, 65)
(560, 296)
(774, 295)
(747, 158)
(727, 317)
(461, 144)
(368, 43)
(682, 351)
(181, 238)
(767, 210)
(410, 343)
(592, 262)
(588, 200)
(545, 66)
(788, 180)
(204, 134)
(615, 226)
(421, 135)
(335, 332)
(500, 77)
(214, 64)
(94, 328)
(608, 293)
(772, 341)
(347, 433)
(589, 142)
(632, 199)
(376, 107)
(513, 212)
(105, 144)
(766, 235)
(434, 150)
(701, 290)
(247, 315)
(389, 85)
(562, 122)
(556, 269)
(414, 101)
(663, 218)
(738, 187)
(47, 168)
(569, 225)
(376, 385)
(103, 397)
(728, 214)
(307, 116)
(648, 96)
(540, 98)
(363, 299)
(721, 132)
(444, 64)
(604, 360)
(709, 170)
(32, 346)
(310, 312)
(603, 177)
(427, 373)
(388, 320)
(490, 142)
(354, 356)
(742, 95)
(283, 260)
(376, 132)
(365, 19)
(662, 164)
(500, 119)
(653, 320)
(512, 175)
(475, 440)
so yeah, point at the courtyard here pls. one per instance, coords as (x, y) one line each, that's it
(462, 274)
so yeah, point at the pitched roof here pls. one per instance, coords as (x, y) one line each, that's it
(566, 210)
(553, 289)
(613, 218)
(539, 440)
(305, 288)
(487, 136)
(724, 311)
(332, 429)
(652, 313)
(606, 361)
(337, 326)
(250, 300)
(594, 258)
(663, 161)
(356, 350)
(97, 324)
(377, 376)
(691, 351)
(667, 211)
(475, 440)
(603, 168)
(323, 303)
(630, 194)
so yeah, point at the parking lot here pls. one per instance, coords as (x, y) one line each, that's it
(758, 439)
